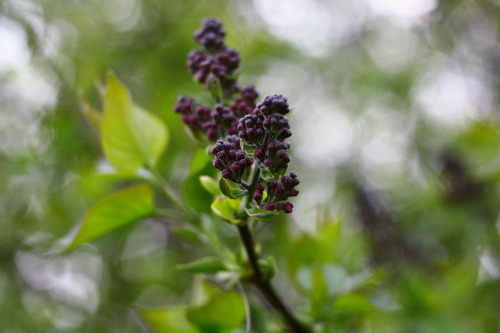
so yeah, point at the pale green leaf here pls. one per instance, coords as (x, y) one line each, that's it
(231, 189)
(210, 185)
(261, 214)
(205, 265)
(131, 137)
(168, 320)
(199, 161)
(93, 116)
(223, 310)
(227, 209)
(116, 210)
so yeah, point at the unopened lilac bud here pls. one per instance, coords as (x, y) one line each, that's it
(235, 167)
(286, 207)
(227, 174)
(222, 155)
(217, 163)
(294, 192)
(270, 206)
(257, 196)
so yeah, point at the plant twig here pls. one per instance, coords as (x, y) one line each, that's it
(262, 283)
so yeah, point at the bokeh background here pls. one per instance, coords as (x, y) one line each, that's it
(396, 137)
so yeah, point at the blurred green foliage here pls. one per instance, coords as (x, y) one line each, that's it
(398, 230)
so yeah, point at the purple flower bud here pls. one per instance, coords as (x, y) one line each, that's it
(286, 207)
(217, 163)
(257, 196)
(235, 167)
(270, 206)
(222, 155)
(227, 174)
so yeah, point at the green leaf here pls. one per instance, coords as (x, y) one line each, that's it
(261, 214)
(189, 234)
(353, 303)
(222, 311)
(210, 185)
(203, 291)
(193, 193)
(206, 265)
(199, 161)
(227, 209)
(93, 116)
(265, 173)
(231, 189)
(269, 267)
(168, 320)
(116, 210)
(131, 137)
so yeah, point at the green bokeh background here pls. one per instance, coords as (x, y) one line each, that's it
(396, 140)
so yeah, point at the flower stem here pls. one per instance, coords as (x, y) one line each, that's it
(262, 283)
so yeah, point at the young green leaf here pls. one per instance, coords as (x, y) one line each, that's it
(231, 189)
(93, 116)
(210, 185)
(223, 311)
(205, 265)
(261, 214)
(116, 210)
(168, 320)
(131, 137)
(199, 161)
(227, 209)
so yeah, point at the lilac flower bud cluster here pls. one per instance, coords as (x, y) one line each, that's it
(216, 61)
(273, 151)
(230, 159)
(236, 118)
(221, 120)
(277, 192)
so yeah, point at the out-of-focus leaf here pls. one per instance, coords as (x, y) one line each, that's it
(353, 303)
(92, 115)
(131, 137)
(231, 189)
(269, 267)
(210, 185)
(168, 320)
(303, 253)
(227, 209)
(205, 265)
(194, 194)
(189, 234)
(221, 312)
(199, 161)
(116, 210)
(203, 290)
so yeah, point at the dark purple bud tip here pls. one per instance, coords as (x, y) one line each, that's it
(227, 174)
(257, 196)
(235, 167)
(286, 207)
(294, 192)
(217, 163)
(270, 206)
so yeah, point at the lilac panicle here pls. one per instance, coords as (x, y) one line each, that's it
(247, 134)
